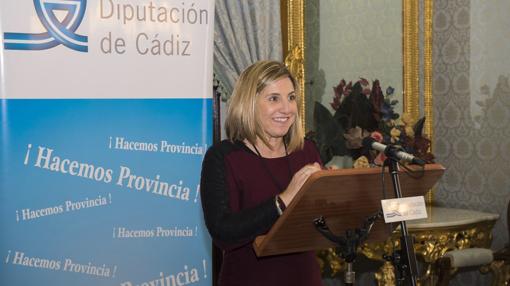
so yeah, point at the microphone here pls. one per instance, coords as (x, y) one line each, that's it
(391, 151)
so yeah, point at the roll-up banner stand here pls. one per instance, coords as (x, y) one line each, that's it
(106, 109)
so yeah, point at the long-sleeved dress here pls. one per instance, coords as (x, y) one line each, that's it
(238, 190)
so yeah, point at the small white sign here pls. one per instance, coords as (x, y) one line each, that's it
(403, 209)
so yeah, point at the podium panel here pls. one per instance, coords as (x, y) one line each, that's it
(345, 198)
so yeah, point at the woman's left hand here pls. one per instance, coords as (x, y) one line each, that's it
(297, 182)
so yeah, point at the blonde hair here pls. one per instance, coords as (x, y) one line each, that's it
(241, 122)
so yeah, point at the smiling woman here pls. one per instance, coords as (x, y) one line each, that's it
(242, 122)
(276, 110)
(248, 180)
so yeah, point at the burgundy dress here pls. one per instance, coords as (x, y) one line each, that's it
(238, 192)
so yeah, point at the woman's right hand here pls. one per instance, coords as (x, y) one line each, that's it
(297, 182)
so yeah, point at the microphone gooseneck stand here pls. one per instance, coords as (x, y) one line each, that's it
(349, 243)
(406, 270)
(404, 261)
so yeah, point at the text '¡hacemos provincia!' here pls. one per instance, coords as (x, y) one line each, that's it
(48, 159)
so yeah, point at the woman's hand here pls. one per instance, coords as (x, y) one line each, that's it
(297, 182)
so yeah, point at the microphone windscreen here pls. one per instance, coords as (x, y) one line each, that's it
(367, 142)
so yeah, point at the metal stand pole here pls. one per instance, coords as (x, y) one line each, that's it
(405, 263)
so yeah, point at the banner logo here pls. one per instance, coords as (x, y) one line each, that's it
(57, 31)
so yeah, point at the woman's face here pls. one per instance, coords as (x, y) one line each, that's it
(276, 108)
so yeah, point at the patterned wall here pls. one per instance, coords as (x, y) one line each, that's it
(472, 110)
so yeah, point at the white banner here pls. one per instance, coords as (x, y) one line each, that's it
(106, 114)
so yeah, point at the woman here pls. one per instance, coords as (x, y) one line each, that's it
(249, 179)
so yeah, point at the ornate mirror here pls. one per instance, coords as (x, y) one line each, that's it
(329, 40)
(391, 41)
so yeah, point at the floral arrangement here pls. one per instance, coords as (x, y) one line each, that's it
(361, 110)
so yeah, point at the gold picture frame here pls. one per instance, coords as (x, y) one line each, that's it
(293, 36)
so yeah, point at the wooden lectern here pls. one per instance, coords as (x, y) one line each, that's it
(345, 198)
